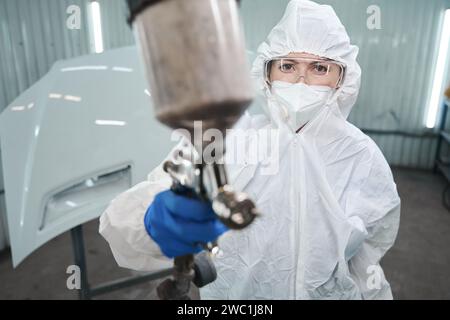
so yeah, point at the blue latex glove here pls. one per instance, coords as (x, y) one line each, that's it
(179, 224)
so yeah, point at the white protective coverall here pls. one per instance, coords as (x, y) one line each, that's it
(330, 212)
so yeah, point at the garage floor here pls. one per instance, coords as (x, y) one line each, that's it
(418, 266)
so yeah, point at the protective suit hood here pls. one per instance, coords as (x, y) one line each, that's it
(312, 28)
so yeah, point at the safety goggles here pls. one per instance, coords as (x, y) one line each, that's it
(320, 72)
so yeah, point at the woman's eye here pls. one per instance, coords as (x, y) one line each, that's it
(287, 67)
(322, 69)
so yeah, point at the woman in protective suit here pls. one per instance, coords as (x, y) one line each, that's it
(329, 213)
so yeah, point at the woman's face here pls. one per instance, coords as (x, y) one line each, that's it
(305, 68)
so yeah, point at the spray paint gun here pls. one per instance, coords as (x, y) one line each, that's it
(194, 57)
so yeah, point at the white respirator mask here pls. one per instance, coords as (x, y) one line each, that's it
(299, 102)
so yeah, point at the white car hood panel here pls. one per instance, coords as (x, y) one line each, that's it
(70, 143)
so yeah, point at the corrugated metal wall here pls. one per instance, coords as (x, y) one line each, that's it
(116, 32)
(34, 34)
(397, 63)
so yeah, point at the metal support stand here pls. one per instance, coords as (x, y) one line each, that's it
(80, 261)
(86, 292)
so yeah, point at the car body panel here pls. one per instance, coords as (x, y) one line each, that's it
(82, 134)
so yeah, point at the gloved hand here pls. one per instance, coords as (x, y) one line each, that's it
(179, 224)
